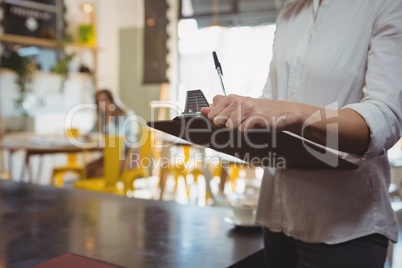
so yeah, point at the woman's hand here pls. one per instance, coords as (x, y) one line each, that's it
(247, 113)
(311, 122)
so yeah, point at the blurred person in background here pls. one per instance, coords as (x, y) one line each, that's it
(113, 118)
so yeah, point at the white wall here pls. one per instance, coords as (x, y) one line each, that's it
(111, 16)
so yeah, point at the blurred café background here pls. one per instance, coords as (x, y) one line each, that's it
(56, 54)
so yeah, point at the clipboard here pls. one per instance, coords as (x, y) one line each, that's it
(259, 147)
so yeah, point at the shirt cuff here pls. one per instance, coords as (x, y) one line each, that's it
(381, 126)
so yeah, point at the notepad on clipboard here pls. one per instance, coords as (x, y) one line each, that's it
(259, 147)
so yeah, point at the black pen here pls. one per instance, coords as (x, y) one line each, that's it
(218, 68)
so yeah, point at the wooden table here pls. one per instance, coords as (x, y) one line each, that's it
(38, 223)
(31, 148)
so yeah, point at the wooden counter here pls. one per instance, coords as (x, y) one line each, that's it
(38, 223)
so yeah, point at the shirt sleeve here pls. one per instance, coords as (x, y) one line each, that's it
(267, 91)
(381, 106)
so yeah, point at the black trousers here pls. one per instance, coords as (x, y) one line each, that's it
(282, 251)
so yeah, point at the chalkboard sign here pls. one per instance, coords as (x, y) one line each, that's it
(155, 39)
(38, 18)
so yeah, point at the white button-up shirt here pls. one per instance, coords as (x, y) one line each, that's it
(347, 53)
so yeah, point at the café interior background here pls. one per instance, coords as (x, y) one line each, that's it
(153, 49)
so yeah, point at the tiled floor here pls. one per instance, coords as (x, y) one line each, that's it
(148, 189)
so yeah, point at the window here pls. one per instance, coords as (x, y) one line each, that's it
(244, 52)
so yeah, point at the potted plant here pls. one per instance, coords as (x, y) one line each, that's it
(86, 34)
(24, 68)
(61, 68)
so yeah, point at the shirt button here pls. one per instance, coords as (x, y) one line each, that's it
(292, 92)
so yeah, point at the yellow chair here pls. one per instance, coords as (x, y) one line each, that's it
(4, 174)
(143, 156)
(228, 172)
(113, 154)
(234, 174)
(197, 172)
(72, 165)
(180, 169)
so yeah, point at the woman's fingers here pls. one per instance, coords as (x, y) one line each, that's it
(229, 111)
(220, 103)
(223, 116)
(205, 110)
(247, 113)
(243, 113)
(217, 99)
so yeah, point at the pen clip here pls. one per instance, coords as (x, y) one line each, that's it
(217, 63)
(219, 70)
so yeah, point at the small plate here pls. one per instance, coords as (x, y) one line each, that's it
(233, 220)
